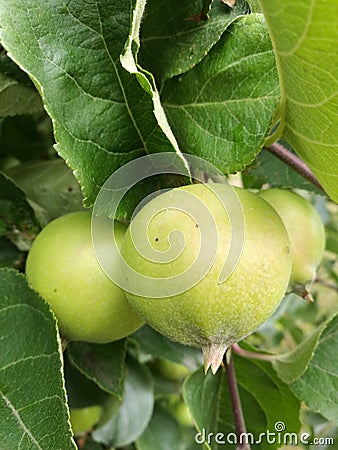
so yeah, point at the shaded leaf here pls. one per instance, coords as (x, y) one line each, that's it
(162, 433)
(176, 35)
(10, 255)
(81, 391)
(17, 218)
(153, 343)
(227, 102)
(26, 137)
(33, 411)
(305, 36)
(51, 184)
(91, 445)
(102, 363)
(133, 416)
(11, 70)
(16, 98)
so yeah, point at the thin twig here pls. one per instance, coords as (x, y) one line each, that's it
(236, 406)
(326, 284)
(247, 354)
(294, 162)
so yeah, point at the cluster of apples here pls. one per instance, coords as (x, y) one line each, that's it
(282, 247)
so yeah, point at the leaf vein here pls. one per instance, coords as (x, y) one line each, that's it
(20, 421)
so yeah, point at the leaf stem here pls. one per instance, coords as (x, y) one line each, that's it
(247, 354)
(294, 162)
(236, 405)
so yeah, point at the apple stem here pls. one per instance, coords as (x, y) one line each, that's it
(294, 162)
(246, 353)
(326, 284)
(236, 404)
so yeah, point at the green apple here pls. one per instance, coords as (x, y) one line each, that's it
(63, 268)
(171, 370)
(180, 409)
(305, 229)
(83, 419)
(211, 314)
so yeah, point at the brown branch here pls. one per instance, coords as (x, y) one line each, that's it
(236, 405)
(294, 162)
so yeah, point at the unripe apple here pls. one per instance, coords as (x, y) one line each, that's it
(180, 409)
(63, 268)
(305, 229)
(211, 314)
(171, 370)
(83, 419)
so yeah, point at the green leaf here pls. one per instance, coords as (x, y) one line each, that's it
(227, 102)
(17, 218)
(33, 411)
(265, 398)
(10, 255)
(318, 386)
(102, 117)
(332, 241)
(255, 6)
(81, 391)
(102, 363)
(91, 445)
(135, 412)
(153, 343)
(176, 35)
(202, 393)
(26, 137)
(146, 80)
(162, 433)
(16, 98)
(305, 35)
(11, 70)
(272, 170)
(51, 184)
(290, 366)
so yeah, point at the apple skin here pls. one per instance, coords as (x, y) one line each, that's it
(83, 419)
(213, 315)
(171, 370)
(62, 267)
(180, 410)
(305, 229)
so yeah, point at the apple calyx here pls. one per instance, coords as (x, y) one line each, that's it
(213, 356)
